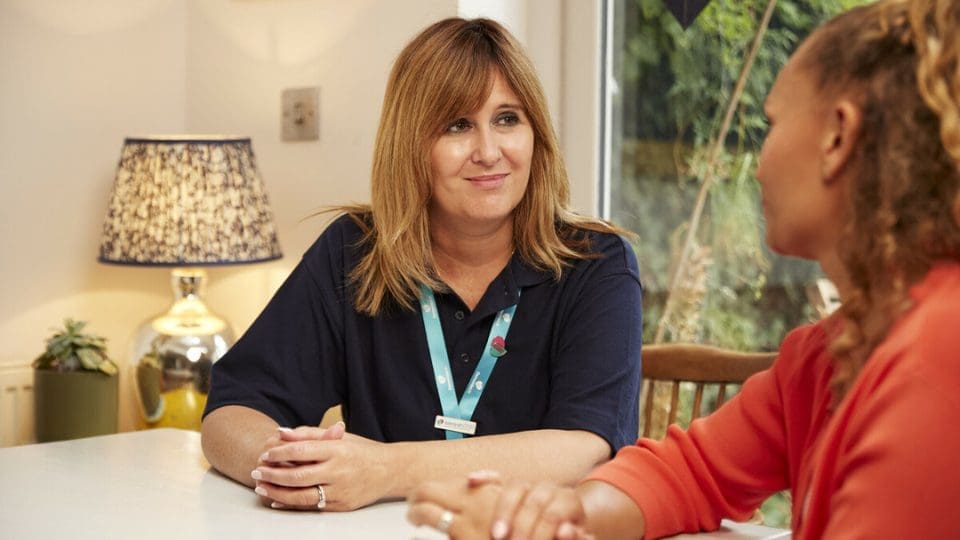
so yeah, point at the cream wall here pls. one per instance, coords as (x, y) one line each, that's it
(240, 57)
(76, 77)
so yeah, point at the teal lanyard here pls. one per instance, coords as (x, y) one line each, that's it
(443, 375)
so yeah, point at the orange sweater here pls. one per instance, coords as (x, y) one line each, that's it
(885, 464)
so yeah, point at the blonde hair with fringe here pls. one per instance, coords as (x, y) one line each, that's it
(445, 72)
(899, 61)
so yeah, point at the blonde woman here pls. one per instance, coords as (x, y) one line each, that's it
(465, 319)
(860, 171)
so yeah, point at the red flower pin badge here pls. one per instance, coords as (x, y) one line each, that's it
(498, 347)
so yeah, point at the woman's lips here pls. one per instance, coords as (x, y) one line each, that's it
(488, 181)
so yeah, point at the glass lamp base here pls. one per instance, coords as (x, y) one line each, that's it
(173, 354)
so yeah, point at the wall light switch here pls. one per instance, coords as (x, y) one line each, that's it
(301, 114)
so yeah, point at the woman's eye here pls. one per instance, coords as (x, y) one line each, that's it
(508, 119)
(459, 126)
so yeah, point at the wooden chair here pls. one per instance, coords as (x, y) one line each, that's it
(701, 365)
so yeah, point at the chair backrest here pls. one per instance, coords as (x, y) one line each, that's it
(700, 365)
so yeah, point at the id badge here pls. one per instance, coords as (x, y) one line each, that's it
(455, 424)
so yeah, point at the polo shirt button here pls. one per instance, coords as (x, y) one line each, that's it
(465, 357)
(458, 315)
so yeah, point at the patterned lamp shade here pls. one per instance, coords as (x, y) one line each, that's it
(188, 201)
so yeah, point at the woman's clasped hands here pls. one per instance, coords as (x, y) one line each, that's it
(309, 468)
(516, 510)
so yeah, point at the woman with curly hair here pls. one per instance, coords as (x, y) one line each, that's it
(860, 171)
(466, 318)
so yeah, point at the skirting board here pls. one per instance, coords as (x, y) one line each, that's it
(16, 405)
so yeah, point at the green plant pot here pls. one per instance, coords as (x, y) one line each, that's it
(74, 405)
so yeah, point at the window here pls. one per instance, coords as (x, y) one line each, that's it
(668, 91)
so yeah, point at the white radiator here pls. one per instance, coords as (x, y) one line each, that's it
(16, 405)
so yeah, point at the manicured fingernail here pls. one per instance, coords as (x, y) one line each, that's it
(265, 456)
(261, 491)
(277, 505)
(483, 474)
(499, 530)
(341, 423)
(256, 475)
(284, 429)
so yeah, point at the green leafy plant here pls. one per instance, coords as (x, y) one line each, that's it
(674, 88)
(70, 349)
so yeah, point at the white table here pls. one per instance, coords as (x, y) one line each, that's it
(156, 484)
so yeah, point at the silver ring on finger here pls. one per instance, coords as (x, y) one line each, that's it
(446, 519)
(322, 500)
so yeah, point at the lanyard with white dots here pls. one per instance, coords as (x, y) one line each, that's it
(455, 419)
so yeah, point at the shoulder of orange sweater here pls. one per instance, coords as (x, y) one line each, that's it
(926, 335)
(896, 417)
(914, 372)
(937, 310)
(929, 342)
(803, 359)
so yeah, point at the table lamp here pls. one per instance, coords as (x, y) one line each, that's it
(185, 202)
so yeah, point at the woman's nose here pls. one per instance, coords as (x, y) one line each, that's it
(487, 149)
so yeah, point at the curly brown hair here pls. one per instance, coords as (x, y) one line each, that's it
(898, 59)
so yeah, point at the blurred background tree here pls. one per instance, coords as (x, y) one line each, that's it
(672, 89)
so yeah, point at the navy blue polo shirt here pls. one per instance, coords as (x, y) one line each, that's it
(572, 362)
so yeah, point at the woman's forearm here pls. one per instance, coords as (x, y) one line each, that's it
(560, 456)
(609, 512)
(234, 437)
(356, 471)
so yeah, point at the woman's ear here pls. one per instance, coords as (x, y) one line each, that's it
(844, 121)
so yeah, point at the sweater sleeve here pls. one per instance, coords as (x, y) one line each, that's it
(725, 464)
